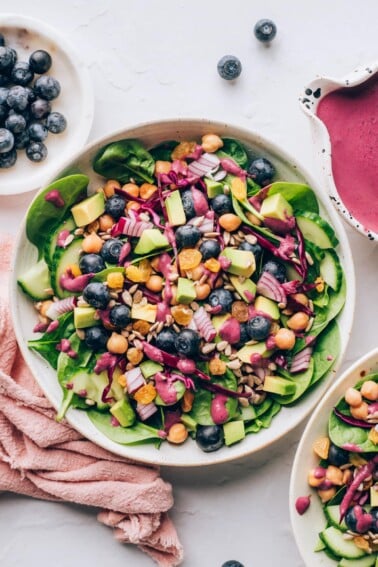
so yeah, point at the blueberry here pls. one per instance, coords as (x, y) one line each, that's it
(337, 456)
(258, 328)
(187, 343)
(56, 123)
(16, 123)
(254, 248)
(47, 87)
(8, 58)
(111, 250)
(91, 263)
(6, 140)
(229, 67)
(165, 340)
(232, 563)
(262, 171)
(21, 74)
(374, 515)
(351, 519)
(244, 336)
(37, 132)
(36, 151)
(188, 204)
(97, 295)
(3, 95)
(115, 206)
(7, 159)
(96, 338)
(275, 268)
(40, 108)
(209, 437)
(187, 235)
(265, 30)
(222, 204)
(40, 61)
(18, 98)
(210, 249)
(4, 80)
(4, 109)
(31, 94)
(21, 140)
(223, 298)
(120, 316)
(2, 40)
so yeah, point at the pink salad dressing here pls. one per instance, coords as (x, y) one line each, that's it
(351, 117)
(218, 410)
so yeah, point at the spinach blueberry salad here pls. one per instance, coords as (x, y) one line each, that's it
(346, 479)
(193, 294)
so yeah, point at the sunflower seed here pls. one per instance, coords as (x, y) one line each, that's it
(250, 239)
(309, 259)
(131, 337)
(248, 368)
(211, 234)
(81, 334)
(79, 232)
(144, 217)
(226, 189)
(251, 381)
(208, 347)
(106, 237)
(197, 221)
(173, 276)
(176, 327)
(138, 296)
(282, 305)
(138, 344)
(233, 364)
(228, 350)
(112, 303)
(90, 402)
(194, 305)
(202, 280)
(133, 289)
(221, 345)
(126, 298)
(82, 303)
(237, 296)
(226, 237)
(229, 287)
(309, 324)
(243, 402)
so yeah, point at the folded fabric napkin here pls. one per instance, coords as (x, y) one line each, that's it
(45, 459)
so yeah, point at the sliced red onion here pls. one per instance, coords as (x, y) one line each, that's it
(204, 324)
(130, 226)
(219, 175)
(134, 380)
(301, 361)
(62, 306)
(192, 325)
(206, 224)
(363, 473)
(52, 327)
(70, 283)
(270, 287)
(61, 241)
(146, 410)
(350, 420)
(204, 165)
(200, 202)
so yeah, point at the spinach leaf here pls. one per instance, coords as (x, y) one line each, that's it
(326, 351)
(164, 150)
(46, 345)
(229, 381)
(261, 230)
(264, 420)
(137, 434)
(43, 216)
(67, 365)
(342, 434)
(302, 381)
(125, 160)
(235, 150)
(200, 411)
(301, 197)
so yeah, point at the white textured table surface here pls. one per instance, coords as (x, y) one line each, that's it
(150, 60)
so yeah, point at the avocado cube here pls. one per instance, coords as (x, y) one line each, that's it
(123, 412)
(233, 432)
(84, 317)
(246, 289)
(150, 240)
(242, 262)
(175, 209)
(146, 312)
(186, 292)
(213, 188)
(245, 353)
(278, 385)
(276, 207)
(89, 210)
(267, 306)
(373, 497)
(149, 368)
(189, 422)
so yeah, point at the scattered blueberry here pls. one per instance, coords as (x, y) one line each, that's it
(256, 249)
(16, 123)
(31, 94)
(56, 122)
(36, 151)
(115, 206)
(209, 437)
(187, 236)
(210, 249)
(21, 74)
(188, 204)
(91, 263)
(222, 204)
(2, 40)
(37, 132)
(221, 297)
(165, 340)
(8, 58)
(229, 67)
(17, 98)
(265, 30)
(7, 159)
(96, 338)
(111, 250)
(120, 316)
(232, 563)
(258, 328)
(97, 295)
(40, 61)
(47, 87)
(337, 456)
(6, 140)
(374, 515)
(40, 108)
(4, 80)
(262, 171)
(187, 343)
(275, 268)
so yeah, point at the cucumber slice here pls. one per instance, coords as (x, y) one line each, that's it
(316, 230)
(334, 540)
(331, 270)
(36, 282)
(367, 561)
(68, 224)
(332, 514)
(320, 546)
(63, 258)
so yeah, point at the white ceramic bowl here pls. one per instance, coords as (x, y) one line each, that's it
(309, 101)
(75, 101)
(188, 454)
(307, 527)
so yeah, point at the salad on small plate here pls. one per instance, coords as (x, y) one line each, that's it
(192, 293)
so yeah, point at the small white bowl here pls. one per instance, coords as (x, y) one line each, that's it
(75, 101)
(309, 101)
(307, 527)
(23, 312)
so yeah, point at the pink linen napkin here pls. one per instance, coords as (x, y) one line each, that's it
(45, 459)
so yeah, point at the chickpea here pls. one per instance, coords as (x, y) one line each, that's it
(196, 273)
(132, 205)
(110, 186)
(45, 305)
(347, 476)
(117, 344)
(162, 166)
(134, 355)
(353, 397)
(230, 222)
(217, 366)
(284, 339)
(147, 190)
(300, 298)
(211, 143)
(360, 412)
(314, 480)
(298, 321)
(92, 243)
(335, 475)
(327, 494)
(177, 433)
(202, 291)
(187, 401)
(131, 189)
(106, 222)
(369, 390)
(155, 283)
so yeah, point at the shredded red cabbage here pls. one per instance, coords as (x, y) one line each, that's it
(351, 420)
